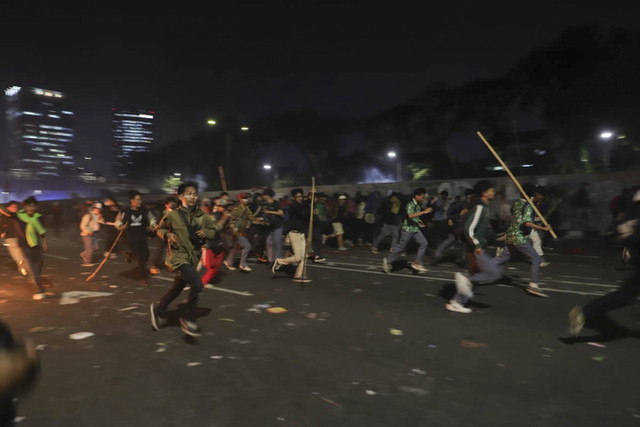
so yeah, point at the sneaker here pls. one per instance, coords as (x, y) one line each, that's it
(544, 263)
(418, 267)
(301, 279)
(456, 307)
(342, 248)
(374, 250)
(245, 268)
(576, 321)
(262, 259)
(318, 258)
(533, 289)
(229, 266)
(276, 266)
(23, 270)
(156, 321)
(39, 296)
(385, 265)
(154, 270)
(87, 264)
(190, 328)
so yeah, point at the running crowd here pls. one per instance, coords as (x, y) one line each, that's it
(197, 237)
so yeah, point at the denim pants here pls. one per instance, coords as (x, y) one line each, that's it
(527, 251)
(487, 270)
(246, 247)
(186, 275)
(90, 245)
(387, 230)
(405, 237)
(274, 244)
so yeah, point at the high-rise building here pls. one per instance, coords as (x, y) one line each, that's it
(132, 133)
(40, 133)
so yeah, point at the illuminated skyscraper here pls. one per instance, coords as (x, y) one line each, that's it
(40, 133)
(132, 133)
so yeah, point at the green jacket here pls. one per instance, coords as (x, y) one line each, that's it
(476, 226)
(34, 230)
(184, 252)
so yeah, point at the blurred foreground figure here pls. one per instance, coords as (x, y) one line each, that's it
(18, 369)
(629, 234)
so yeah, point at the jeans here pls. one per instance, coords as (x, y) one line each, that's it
(526, 250)
(90, 245)
(35, 261)
(487, 270)
(246, 247)
(274, 244)
(405, 237)
(387, 230)
(186, 274)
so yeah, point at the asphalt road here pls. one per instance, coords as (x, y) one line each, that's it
(357, 347)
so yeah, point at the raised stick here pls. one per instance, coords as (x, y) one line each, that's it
(115, 242)
(307, 246)
(223, 180)
(515, 181)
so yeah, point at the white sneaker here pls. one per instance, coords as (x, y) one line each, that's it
(463, 285)
(544, 263)
(533, 289)
(39, 296)
(418, 267)
(229, 266)
(343, 248)
(246, 269)
(456, 307)
(385, 265)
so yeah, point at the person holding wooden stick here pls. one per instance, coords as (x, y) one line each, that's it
(296, 227)
(517, 237)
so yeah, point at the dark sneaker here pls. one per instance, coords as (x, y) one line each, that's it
(156, 321)
(576, 321)
(190, 328)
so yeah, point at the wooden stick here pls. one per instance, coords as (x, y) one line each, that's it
(115, 242)
(515, 181)
(307, 246)
(223, 180)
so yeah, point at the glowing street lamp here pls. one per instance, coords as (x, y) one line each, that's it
(266, 167)
(393, 155)
(605, 136)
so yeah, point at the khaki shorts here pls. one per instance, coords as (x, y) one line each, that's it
(337, 228)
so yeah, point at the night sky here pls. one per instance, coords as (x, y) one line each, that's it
(188, 61)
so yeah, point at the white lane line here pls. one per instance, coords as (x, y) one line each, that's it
(562, 291)
(56, 256)
(451, 278)
(215, 288)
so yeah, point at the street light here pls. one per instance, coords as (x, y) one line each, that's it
(605, 136)
(394, 155)
(227, 151)
(274, 173)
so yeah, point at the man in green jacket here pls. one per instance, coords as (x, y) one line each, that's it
(484, 268)
(35, 241)
(185, 230)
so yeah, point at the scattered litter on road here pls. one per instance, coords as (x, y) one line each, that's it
(377, 283)
(502, 365)
(194, 364)
(81, 335)
(331, 402)
(432, 346)
(42, 329)
(357, 291)
(312, 315)
(396, 332)
(261, 306)
(41, 347)
(19, 419)
(597, 344)
(415, 390)
(128, 308)
(472, 344)
(225, 319)
(546, 348)
(370, 392)
(227, 305)
(418, 371)
(277, 310)
(511, 268)
(426, 294)
(598, 358)
(73, 297)
(237, 341)
(217, 357)
(161, 349)
(280, 418)
(355, 383)
(254, 310)
(113, 286)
